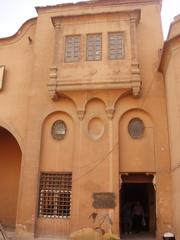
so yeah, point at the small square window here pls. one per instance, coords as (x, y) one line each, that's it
(94, 47)
(115, 45)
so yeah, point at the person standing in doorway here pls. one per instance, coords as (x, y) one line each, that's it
(137, 216)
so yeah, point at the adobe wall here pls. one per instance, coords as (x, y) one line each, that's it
(97, 145)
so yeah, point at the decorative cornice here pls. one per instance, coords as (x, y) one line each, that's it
(136, 13)
(94, 3)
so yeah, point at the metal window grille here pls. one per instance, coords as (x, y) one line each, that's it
(72, 48)
(116, 45)
(55, 195)
(94, 47)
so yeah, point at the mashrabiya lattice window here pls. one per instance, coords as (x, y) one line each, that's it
(72, 48)
(55, 195)
(94, 47)
(115, 45)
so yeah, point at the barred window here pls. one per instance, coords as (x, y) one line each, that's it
(55, 195)
(115, 45)
(72, 48)
(94, 47)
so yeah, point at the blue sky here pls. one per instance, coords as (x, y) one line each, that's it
(14, 12)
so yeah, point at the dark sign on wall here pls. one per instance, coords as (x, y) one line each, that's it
(103, 200)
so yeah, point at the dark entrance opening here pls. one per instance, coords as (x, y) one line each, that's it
(138, 188)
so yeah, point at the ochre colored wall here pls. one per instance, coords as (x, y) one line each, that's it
(137, 160)
(172, 76)
(56, 156)
(96, 147)
(10, 163)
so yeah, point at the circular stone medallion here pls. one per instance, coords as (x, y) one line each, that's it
(95, 128)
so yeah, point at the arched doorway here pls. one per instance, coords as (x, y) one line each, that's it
(10, 163)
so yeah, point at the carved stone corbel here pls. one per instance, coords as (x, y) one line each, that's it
(110, 112)
(52, 84)
(136, 81)
(81, 113)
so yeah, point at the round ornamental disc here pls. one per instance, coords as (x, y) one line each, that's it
(58, 130)
(136, 128)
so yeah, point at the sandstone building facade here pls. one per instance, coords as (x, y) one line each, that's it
(169, 66)
(83, 120)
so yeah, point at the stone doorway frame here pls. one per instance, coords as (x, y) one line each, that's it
(138, 178)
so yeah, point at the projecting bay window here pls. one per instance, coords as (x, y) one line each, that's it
(94, 47)
(55, 195)
(115, 45)
(72, 48)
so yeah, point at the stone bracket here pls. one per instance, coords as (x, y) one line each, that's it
(136, 80)
(52, 84)
(110, 113)
(81, 113)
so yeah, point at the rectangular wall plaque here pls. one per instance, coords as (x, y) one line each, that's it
(1, 76)
(104, 200)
